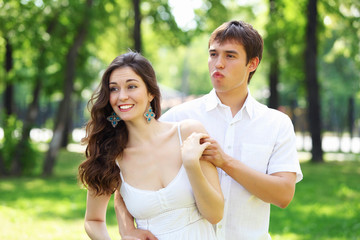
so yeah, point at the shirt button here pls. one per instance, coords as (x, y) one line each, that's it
(229, 147)
(220, 226)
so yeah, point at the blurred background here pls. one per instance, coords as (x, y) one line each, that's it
(53, 53)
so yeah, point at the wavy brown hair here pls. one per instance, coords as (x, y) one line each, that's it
(105, 143)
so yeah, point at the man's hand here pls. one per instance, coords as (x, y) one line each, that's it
(139, 234)
(213, 153)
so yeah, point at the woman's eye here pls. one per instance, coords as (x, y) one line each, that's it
(113, 89)
(132, 86)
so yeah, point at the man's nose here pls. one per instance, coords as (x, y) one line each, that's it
(219, 62)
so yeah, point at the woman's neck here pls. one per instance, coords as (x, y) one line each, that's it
(141, 133)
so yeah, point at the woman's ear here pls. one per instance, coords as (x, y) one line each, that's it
(151, 97)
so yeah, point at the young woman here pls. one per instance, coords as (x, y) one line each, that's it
(154, 165)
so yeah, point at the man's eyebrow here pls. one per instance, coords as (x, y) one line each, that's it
(232, 51)
(226, 51)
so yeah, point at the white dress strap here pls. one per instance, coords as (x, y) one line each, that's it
(121, 176)
(179, 133)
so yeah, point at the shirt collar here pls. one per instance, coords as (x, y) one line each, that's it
(249, 105)
(213, 101)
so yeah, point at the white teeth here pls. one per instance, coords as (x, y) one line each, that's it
(125, 107)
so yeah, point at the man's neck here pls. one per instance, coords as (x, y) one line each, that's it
(234, 99)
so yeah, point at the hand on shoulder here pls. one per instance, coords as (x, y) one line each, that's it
(189, 126)
(193, 134)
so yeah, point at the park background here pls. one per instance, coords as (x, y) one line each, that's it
(52, 55)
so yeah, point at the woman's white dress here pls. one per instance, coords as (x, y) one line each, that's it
(169, 213)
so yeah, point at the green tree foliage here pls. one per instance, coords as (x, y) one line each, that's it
(41, 34)
(339, 68)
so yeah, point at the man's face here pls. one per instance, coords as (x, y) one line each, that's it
(228, 68)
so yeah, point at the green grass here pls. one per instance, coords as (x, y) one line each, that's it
(326, 205)
(47, 208)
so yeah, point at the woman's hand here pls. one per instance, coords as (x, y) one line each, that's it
(192, 149)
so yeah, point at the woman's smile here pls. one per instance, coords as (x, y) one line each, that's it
(126, 107)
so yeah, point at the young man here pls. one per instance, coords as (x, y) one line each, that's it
(254, 147)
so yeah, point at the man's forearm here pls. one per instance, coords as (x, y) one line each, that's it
(277, 189)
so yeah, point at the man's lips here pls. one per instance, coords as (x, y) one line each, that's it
(217, 75)
(125, 107)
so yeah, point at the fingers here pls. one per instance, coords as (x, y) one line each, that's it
(141, 235)
(208, 154)
(209, 151)
(204, 146)
(210, 140)
(197, 138)
(130, 238)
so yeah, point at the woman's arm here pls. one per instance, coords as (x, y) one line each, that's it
(202, 175)
(125, 221)
(95, 217)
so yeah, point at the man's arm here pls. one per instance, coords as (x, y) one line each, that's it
(125, 221)
(277, 188)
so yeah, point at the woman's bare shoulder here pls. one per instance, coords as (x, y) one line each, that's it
(189, 126)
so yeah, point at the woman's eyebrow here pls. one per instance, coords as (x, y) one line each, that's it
(128, 80)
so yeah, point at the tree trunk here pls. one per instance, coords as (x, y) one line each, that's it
(31, 115)
(9, 94)
(68, 127)
(137, 26)
(3, 171)
(62, 114)
(274, 58)
(9, 88)
(274, 80)
(312, 84)
(9, 99)
(33, 108)
(351, 116)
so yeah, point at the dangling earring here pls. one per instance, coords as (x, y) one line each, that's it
(149, 114)
(114, 119)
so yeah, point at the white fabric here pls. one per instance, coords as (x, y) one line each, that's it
(169, 213)
(260, 137)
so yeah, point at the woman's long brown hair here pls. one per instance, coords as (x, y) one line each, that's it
(99, 171)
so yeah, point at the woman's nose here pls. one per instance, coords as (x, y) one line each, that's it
(123, 95)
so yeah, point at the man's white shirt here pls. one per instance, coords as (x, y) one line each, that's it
(260, 137)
